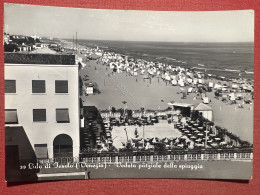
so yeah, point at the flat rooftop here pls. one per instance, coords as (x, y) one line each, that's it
(39, 58)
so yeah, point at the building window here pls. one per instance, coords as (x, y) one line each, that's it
(62, 115)
(11, 116)
(41, 151)
(38, 86)
(39, 115)
(10, 86)
(61, 86)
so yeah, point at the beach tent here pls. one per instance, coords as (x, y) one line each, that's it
(173, 77)
(217, 86)
(167, 77)
(181, 83)
(234, 86)
(189, 80)
(210, 84)
(205, 100)
(248, 88)
(224, 89)
(224, 97)
(190, 90)
(239, 96)
(205, 110)
(232, 96)
(195, 81)
(174, 82)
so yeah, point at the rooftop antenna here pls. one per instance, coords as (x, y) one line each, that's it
(77, 42)
(73, 42)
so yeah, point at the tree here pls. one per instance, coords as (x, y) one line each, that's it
(113, 110)
(129, 113)
(10, 47)
(121, 110)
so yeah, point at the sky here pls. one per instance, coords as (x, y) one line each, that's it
(130, 25)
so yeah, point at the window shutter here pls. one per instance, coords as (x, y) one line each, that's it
(11, 116)
(41, 151)
(39, 115)
(62, 115)
(38, 86)
(10, 86)
(61, 86)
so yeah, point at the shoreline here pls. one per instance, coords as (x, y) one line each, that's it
(227, 72)
(184, 60)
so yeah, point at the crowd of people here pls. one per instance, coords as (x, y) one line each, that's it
(189, 80)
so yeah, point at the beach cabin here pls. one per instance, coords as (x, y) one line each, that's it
(89, 88)
(205, 110)
(211, 84)
(137, 113)
(182, 108)
(105, 113)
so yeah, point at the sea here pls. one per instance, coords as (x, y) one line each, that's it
(231, 60)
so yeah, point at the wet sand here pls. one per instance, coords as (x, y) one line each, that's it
(138, 92)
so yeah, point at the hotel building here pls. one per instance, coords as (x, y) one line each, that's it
(41, 107)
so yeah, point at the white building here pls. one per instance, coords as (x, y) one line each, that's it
(205, 110)
(42, 110)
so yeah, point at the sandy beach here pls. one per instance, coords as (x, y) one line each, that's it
(138, 93)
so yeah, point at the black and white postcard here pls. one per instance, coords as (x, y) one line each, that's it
(94, 93)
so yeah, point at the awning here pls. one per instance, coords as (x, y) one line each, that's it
(62, 115)
(41, 151)
(11, 116)
(180, 104)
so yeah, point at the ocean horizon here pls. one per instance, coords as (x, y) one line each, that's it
(229, 59)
